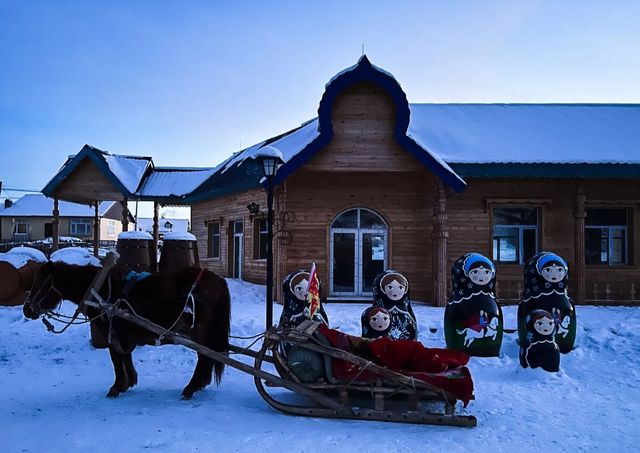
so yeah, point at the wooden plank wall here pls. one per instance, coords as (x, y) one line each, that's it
(87, 184)
(230, 208)
(470, 228)
(363, 166)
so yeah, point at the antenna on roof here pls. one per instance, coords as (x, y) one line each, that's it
(362, 50)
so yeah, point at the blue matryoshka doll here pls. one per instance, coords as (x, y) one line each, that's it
(473, 320)
(545, 288)
(539, 348)
(295, 289)
(391, 291)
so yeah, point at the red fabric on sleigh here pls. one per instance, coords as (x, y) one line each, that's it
(441, 368)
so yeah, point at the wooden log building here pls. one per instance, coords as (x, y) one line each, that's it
(375, 182)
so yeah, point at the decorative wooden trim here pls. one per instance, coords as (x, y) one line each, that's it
(439, 238)
(156, 232)
(125, 214)
(96, 228)
(515, 202)
(619, 203)
(579, 216)
(214, 220)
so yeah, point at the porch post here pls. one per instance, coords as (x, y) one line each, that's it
(156, 234)
(96, 229)
(579, 216)
(439, 237)
(125, 215)
(56, 225)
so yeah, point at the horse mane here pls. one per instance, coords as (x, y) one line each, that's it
(73, 280)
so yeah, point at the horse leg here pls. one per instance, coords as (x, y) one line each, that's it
(130, 369)
(121, 382)
(201, 377)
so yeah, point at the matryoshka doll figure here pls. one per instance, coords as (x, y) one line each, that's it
(539, 348)
(376, 322)
(545, 288)
(391, 291)
(473, 320)
(295, 289)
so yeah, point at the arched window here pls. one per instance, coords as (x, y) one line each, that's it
(358, 252)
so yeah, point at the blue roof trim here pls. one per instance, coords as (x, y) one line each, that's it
(95, 155)
(543, 171)
(365, 71)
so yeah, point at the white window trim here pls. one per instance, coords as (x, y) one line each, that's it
(610, 229)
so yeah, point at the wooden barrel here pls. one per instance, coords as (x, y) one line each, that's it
(18, 269)
(179, 250)
(136, 251)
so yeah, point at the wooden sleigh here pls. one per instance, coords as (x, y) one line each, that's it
(384, 395)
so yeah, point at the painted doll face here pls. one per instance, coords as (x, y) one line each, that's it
(544, 325)
(554, 273)
(301, 289)
(380, 321)
(395, 290)
(481, 275)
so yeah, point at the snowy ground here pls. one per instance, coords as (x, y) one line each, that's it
(53, 387)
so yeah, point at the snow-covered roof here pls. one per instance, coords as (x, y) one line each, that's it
(128, 169)
(173, 182)
(528, 133)
(37, 205)
(289, 144)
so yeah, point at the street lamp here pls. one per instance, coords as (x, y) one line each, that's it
(271, 159)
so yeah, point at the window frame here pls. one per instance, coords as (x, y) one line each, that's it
(74, 222)
(258, 236)
(211, 239)
(610, 230)
(537, 228)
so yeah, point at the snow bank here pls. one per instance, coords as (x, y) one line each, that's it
(18, 256)
(134, 235)
(60, 382)
(177, 236)
(75, 255)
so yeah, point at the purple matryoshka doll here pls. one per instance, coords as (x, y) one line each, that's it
(539, 348)
(295, 289)
(545, 288)
(391, 291)
(473, 317)
(376, 322)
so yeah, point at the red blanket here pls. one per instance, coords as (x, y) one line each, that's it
(441, 368)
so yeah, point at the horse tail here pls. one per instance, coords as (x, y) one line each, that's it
(221, 326)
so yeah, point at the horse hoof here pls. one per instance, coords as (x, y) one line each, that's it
(113, 393)
(186, 396)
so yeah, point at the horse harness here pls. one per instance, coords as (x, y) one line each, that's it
(113, 340)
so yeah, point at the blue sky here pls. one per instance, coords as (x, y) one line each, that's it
(190, 82)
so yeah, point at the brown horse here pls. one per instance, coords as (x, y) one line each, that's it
(162, 298)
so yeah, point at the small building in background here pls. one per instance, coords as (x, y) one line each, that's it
(165, 225)
(30, 219)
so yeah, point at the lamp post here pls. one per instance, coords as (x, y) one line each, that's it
(271, 159)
